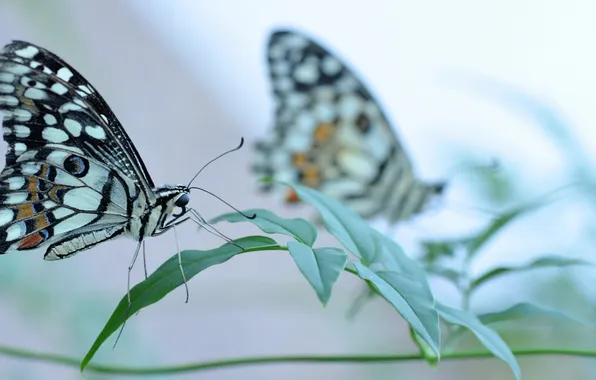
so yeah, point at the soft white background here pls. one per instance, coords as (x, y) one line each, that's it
(187, 79)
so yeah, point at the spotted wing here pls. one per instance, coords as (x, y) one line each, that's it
(331, 134)
(61, 200)
(47, 103)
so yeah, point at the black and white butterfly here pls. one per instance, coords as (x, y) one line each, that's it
(331, 134)
(73, 177)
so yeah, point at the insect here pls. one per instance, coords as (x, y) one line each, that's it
(331, 134)
(73, 178)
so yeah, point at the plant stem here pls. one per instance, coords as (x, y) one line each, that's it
(346, 359)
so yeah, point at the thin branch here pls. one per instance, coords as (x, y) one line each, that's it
(218, 364)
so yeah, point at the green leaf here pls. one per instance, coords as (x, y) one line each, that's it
(448, 274)
(168, 277)
(543, 262)
(476, 242)
(525, 310)
(488, 337)
(429, 355)
(300, 229)
(341, 222)
(435, 250)
(409, 299)
(321, 266)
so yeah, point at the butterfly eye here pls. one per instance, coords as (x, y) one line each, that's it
(183, 200)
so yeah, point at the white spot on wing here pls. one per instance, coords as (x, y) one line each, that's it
(64, 73)
(63, 178)
(19, 148)
(28, 52)
(69, 107)
(54, 135)
(6, 77)
(330, 65)
(49, 204)
(283, 84)
(29, 168)
(61, 212)
(15, 198)
(49, 119)
(17, 69)
(59, 88)
(21, 115)
(9, 100)
(349, 106)
(15, 183)
(15, 231)
(6, 216)
(307, 73)
(96, 132)
(83, 198)
(73, 127)
(6, 88)
(35, 94)
(22, 131)
(72, 223)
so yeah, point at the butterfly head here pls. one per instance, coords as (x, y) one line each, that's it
(172, 197)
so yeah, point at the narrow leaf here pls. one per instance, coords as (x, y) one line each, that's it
(321, 266)
(300, 229)
(488, 337)
(525, 310)
(341, 222)
(168, 277)
(405, 296)
(478, 241)
(543, 262)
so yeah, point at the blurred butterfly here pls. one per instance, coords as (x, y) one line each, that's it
(73, 178)
(331, 134)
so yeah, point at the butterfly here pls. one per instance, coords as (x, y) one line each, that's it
(331, 134)
(73, 178)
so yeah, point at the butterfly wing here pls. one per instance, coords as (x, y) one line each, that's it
(45, 101)
(331, 134)
(71, 171)
(52, 195)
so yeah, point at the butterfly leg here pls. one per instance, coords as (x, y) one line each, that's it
(132, 263)
(180, 263)
(199, 220)
(144, 260)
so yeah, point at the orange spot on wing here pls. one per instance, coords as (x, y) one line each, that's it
(53, 193)
(25, 211)
(323, 132)
(311, 176)
(292, 197)
(31, 241)
(41, 221)
(299, 160)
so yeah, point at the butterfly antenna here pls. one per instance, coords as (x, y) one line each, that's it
(224, 202)
(217, 158)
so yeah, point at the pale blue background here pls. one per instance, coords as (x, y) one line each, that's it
(187, 79)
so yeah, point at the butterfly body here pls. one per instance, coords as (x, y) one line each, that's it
(73, 177)
(332, 135)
